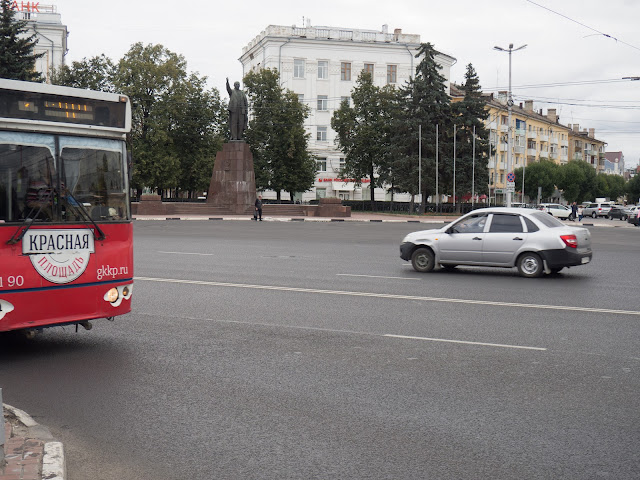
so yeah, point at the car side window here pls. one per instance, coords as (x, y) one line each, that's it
(473, 224)
(505, 223)
(531, 227)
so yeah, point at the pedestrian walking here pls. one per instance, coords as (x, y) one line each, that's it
(574, 211)
(580, 213)
(257, 214)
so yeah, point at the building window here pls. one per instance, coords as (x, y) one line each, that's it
(301, 97)
(392, 73)
(321, 192)
(368, 68)
(321, 136)
(321, 164)
(342, 163)
(345, 99)
(504, 120)
(323, 102)
(345, 71)
(298, 68)
(323, 69)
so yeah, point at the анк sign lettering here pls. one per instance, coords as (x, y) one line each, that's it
(26, 6)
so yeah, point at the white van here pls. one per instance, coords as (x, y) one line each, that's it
(559, 211)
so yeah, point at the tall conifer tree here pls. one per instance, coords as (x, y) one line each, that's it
(425, 104)
(17, 57)
(471, 113)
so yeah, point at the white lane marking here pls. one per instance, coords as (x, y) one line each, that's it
(373, 276)
(392, 296)
(189, 253)
(464, 342)
(353, 332)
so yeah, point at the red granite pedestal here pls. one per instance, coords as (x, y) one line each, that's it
(233, 181)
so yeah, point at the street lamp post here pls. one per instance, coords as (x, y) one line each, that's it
(509, 105)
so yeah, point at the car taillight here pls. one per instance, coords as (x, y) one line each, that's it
(570, 240)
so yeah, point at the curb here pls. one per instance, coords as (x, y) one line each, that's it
(442, 221)
(287, 219)
(54, 465)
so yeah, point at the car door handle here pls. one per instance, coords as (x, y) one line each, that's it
(476, 238)
(517, 238)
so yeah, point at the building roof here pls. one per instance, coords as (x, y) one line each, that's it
(614, 157)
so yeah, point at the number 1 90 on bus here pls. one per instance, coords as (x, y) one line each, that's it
(12, 281)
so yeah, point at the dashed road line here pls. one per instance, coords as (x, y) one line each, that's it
(394, 296)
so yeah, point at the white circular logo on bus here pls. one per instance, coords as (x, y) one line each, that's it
(59, 256)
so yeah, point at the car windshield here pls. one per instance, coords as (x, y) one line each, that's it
(547, 220)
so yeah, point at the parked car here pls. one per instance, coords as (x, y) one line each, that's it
(634, 216)
(596, 209)
(618, 211)
(555, 209)
(532, 241)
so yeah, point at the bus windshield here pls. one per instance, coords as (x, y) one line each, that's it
(56, 178)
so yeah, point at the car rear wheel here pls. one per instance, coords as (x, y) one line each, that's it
(422, 260)
(530, 265)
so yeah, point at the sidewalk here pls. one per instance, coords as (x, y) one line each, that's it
(29, 451)
(435, 220)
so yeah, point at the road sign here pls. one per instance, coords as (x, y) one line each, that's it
(511, 177)
(511, 186)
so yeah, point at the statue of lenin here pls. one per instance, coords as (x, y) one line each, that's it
(238, 111)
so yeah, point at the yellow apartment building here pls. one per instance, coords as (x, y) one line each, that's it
(536, 135)
(584, 146)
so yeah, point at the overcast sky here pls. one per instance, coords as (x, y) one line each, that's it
(575, 59)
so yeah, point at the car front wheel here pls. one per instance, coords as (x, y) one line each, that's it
(422, 260)
(530, 265)
(594, 215)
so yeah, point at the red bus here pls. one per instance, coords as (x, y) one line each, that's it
(66, 236)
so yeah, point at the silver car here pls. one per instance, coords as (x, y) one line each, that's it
(531, 240)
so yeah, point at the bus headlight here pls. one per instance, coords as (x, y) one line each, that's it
(112, 295)
(116, 295)
(5, 307)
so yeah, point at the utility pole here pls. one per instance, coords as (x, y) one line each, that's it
(509, 106)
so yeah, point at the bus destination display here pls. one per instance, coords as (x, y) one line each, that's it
(54, 108)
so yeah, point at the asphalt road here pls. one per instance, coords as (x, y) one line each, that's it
(301, 350)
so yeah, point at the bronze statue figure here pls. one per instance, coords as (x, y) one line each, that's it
(238, 111)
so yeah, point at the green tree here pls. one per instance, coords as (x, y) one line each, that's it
(276, 134)
(150, 75)
(468, 114)
(17, 57)
(544, 173)
(633, 189)
(95, 73)
(609, 186)
(197, 129)
(425, 103)
(362, 133)
(577, 180)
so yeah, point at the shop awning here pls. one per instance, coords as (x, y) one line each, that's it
(343, 186)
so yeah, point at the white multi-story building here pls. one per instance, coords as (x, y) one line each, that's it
(51, 34)
(321, 65)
